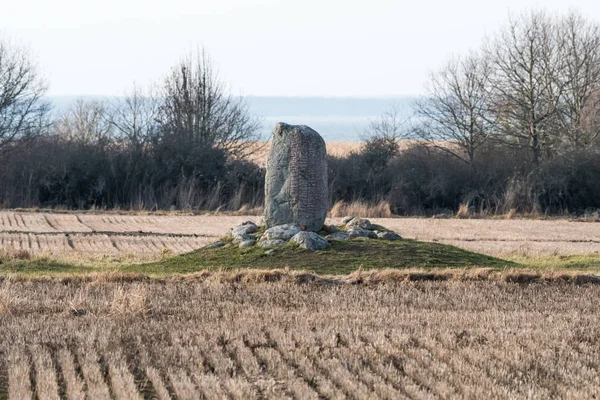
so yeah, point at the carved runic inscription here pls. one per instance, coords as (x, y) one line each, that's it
(296, 181)
(303, 178)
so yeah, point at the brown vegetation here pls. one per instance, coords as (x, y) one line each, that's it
(361, 209)
(195, 338)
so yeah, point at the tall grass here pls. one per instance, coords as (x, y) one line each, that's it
(364, 209)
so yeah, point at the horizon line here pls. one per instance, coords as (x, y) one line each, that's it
(332, 97)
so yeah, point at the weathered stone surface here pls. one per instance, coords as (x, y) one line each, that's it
(271, 243)
(296, 178)
(358, 232)
(247, 243)
(244, 228)
(310, 241)
(348, 219)
(338, 236)
(389, 236)
(242, 237)
(359, 222)
(281, 232)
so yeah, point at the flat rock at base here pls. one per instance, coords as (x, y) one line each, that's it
(247, 243)
(270, 252)
(245, 228)
(280, 232)
(271, 243)
(241, 238)
(310, 241)
(296, 190)
(358, 232)
(360, 223)
(338, 236)
(348, 219)
(389, 236)
(216, 245)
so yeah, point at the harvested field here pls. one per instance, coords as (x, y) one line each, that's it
(189, 339)
(504, 238)
(98, 236)
(150, 237)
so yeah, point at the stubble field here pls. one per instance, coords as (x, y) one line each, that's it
(202, 338)
(114, 237)
(288, 334)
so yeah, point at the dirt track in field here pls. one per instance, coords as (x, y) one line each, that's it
(145, 237)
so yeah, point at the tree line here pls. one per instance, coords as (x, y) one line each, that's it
(180, 144)
(511, 126)
(514, 125)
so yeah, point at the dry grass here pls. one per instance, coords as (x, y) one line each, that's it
(200, 337)
(361, 209)
(9, 298)
(130, 300)
(15, 254)
(463, 211)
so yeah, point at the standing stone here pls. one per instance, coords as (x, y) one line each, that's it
(296, 180)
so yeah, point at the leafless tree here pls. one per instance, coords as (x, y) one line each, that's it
(199, 110)
(455, 114)
(389, 128)
(589, 126)
(23, 111)
(85, 122)
(580, 46)
(527, 65)
(381, 138)
(135, 117)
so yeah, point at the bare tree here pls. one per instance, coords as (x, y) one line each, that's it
(381, 138)
(199, 110)
(23, 112)
(135, 117)
(580, 46)
(589, 125)
(390, 126)
(85, 122)
(455, 114)
(528, 64)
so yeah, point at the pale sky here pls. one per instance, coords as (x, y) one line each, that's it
(261, 47)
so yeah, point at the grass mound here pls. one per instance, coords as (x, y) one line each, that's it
(341, 258)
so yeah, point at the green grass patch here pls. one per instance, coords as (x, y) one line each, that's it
(42, 266)
(585, 263)
(341, 258)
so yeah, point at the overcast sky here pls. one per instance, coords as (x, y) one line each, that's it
(261, 47)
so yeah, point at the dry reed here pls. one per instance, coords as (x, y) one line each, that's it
(361, 209)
